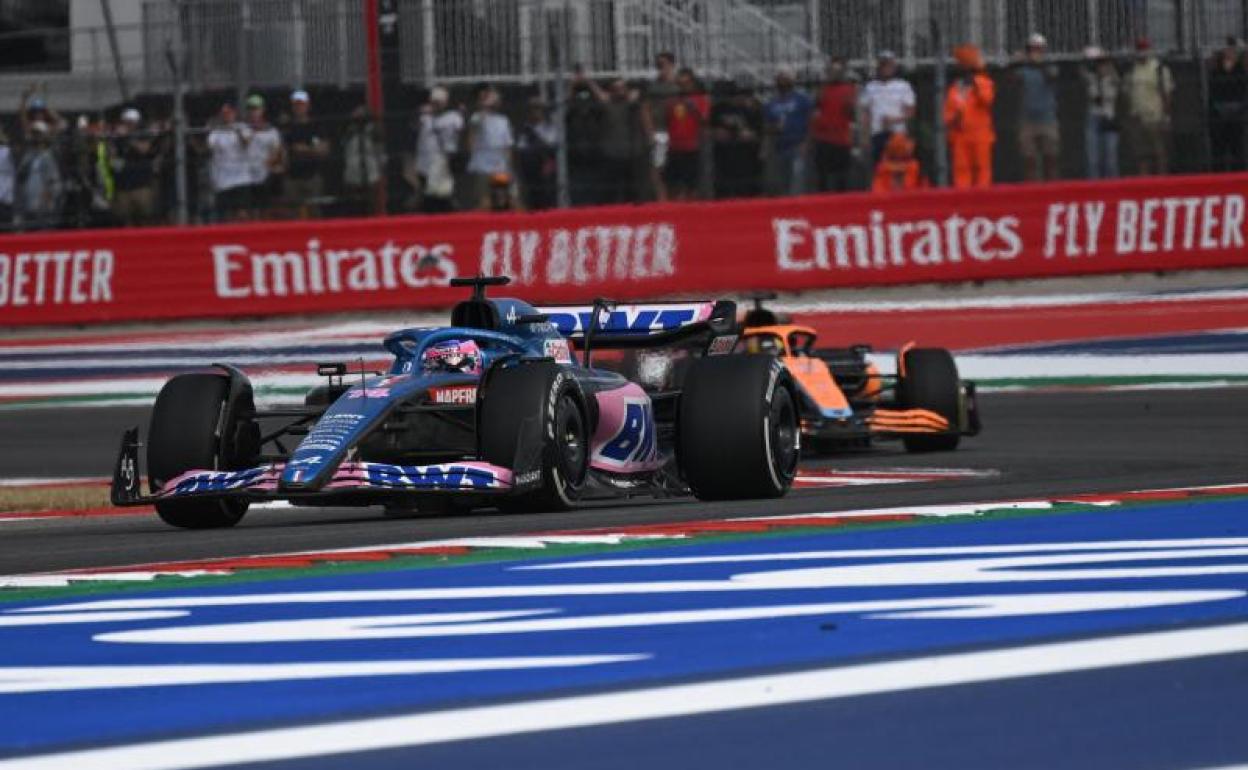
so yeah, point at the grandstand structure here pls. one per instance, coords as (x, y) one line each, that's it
(241, 44)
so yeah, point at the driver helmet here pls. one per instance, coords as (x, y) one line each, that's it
(455, 356)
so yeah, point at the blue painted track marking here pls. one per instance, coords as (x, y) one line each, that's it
(604, 627)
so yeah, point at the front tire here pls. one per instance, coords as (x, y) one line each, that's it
(931, 382)
(737, 432)
(194, 426)
(532, 416)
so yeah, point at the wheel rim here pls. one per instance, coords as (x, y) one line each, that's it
(783, 426)
(570, 439)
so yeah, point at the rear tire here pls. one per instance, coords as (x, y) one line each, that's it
(737, 432)
(194, 428)
(931, 383)
(536, 408)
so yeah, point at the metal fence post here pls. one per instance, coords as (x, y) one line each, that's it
(941, 176)
(107, 7)
(177, 67)
(1094, 23)
(1199, 32)
(244, 34)
(563, 194)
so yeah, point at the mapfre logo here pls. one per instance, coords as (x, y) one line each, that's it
(456, 394)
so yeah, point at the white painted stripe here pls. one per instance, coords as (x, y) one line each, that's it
(46, 481)
(797, 304)
(1100, 365)
(896, 553)
(652, 703)
(75, 678)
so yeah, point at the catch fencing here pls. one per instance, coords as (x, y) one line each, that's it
(237, 45)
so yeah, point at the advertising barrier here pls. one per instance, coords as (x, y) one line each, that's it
(635, 252)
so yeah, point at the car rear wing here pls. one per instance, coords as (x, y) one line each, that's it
(610, 325)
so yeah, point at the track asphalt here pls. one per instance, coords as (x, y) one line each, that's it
(1040, 444)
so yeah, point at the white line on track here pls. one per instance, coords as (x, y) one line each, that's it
(481, 722)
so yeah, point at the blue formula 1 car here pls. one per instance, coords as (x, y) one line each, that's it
(509, 407)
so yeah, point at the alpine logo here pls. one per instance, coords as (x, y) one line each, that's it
(454, 394)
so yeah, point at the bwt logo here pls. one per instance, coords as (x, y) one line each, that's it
(218, 481)
(634, 442)
(448, 476)
(632, 319)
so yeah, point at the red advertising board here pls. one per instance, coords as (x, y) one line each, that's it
(637, 252)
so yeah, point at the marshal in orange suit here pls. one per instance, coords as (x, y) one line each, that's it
(968, 118)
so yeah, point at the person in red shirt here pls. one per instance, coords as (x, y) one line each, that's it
(968, 117)
(898, 169)
(833, 129)
(687, 114)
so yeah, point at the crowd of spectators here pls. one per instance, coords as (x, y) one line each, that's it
(667, 138)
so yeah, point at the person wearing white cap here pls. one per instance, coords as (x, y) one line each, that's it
(1038, 137)
(887, 104)
(39, 186)
(134, 171)
(307, 149)
(437, 143)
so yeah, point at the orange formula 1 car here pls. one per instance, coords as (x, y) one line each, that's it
(847, 403)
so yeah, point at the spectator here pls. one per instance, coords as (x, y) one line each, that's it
(229, 167)
(266, 158)
(8, 180)
(1150, 91)
(833, 129)
(623, 141)
(362, 162)
(583, 129)
(968, 119)
(34, 108)
(662, 91)
(1038, 137)
(39, 185)
(737, 137)
(1101, 128)
(1227, 102)
(537, 143)
(490, 143)
(88, 185)
(134, 177)
(888, 103)
(501, 195)
(308, 148)
(788, 121)
(437, 143)
(898, 170)
(687, 116)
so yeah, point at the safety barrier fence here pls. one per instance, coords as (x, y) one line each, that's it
(698, 249)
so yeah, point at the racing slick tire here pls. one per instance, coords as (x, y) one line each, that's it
(536, 408)
(931, 382)
(193, 426)
(737, 434)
